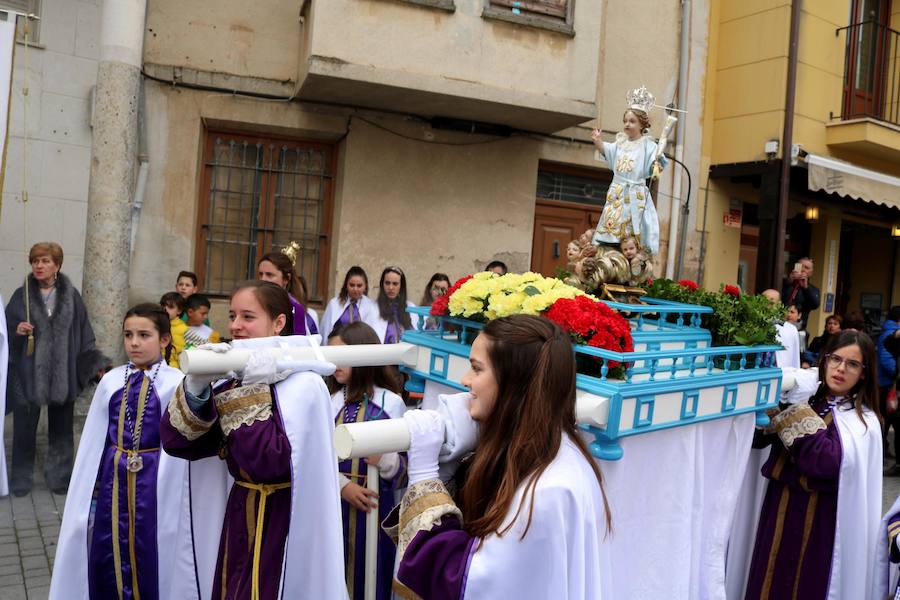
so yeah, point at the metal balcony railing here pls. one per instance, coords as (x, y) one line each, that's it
(871, 72)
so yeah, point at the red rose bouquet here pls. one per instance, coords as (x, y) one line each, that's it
(593, 323)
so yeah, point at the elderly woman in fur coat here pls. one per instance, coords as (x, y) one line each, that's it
(51, 359)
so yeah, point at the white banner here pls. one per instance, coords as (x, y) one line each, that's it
(7, 44)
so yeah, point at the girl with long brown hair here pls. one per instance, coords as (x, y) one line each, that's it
(532, 513)
(277, 268)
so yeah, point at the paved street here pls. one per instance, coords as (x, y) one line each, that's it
(29, 525)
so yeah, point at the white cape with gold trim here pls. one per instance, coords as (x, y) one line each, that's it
(313, 565)
(70, 567)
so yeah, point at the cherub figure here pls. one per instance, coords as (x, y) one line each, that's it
(639, 266)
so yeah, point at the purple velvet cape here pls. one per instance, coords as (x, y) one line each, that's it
(258, 453)
(354, 521)
(132, 496)
(795, 536)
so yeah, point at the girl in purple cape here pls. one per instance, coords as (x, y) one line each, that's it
(818, 525)
(531, 514)
(366, 394)
(277, 268)
(110, 545)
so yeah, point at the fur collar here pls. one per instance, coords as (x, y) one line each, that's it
(52, 340)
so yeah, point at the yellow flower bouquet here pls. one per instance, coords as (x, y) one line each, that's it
(487, 296)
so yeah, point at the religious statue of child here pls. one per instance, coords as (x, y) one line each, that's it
(592, 266)
(634, 157)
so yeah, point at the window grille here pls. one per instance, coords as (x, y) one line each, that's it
(260, 195)
(557, 9)
(572, 187)
(10, 8)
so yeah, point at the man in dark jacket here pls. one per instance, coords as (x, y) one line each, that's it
(798, 290)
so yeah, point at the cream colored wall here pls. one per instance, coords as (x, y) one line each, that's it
(448, 48)
(825, 242)
(225, 36)
(723, 243)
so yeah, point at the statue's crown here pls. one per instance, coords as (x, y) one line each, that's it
(640, 99)
(292, 251)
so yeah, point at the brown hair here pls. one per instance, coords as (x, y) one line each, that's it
(353, 272)
(286, 267)
(865, 392)
(173, 299)
(386, 306)
(426, 297)
(642, 118)
(189, 275)
(274, 300)
(51, 249)
(533, 362)
(156, 315)
(362, 379)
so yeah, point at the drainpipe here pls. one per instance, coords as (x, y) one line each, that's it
(675, 204)
(787, 144)
(113, 155)
(143, 169)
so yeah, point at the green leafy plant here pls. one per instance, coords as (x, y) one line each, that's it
(737, 319)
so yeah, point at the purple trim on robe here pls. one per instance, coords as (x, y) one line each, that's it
(386, 550)
(101, 565)
(436, 562)
(299, 324)
(345, 316)
(803, 481)
(472, 549)
(261, 453)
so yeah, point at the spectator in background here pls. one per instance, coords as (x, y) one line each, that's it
(497, 266)
(832, 328)
(198, 332)
(52, 357)
(174, 305)
(787, 336)
(855, 320)
(186, 284)
(437, 287)
(798, 290)
(887, 375)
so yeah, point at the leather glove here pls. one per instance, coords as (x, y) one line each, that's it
(426, 436)
(265, 366)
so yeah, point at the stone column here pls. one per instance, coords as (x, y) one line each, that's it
(113, 157)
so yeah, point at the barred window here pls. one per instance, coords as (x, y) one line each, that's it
(17, 9)
(556, 9)
(258, 195)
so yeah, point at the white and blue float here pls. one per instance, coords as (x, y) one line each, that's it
(673, 378)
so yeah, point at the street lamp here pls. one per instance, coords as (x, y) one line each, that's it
(812, 213)
(895, 231)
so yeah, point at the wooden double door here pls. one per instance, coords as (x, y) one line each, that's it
(556, 223)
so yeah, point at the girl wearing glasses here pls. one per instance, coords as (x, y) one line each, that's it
(819, 521)
(437, 287)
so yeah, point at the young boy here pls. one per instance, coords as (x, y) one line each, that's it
(198, 332)
(186, 284)
(174, 305)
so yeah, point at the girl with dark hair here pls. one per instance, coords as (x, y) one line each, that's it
(109, 543)
(271, 427)
(393, 319)
(809, 544)
(277, 268)
(532, 512)
(352, 304)
(366, 394)
(437, 287)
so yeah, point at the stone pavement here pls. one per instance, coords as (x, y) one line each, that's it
(29, 525)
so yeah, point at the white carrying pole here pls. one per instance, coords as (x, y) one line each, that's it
(354, 440)
(371, 537)
(208, 362)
